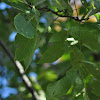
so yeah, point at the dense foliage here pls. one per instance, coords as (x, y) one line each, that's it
(57, 44)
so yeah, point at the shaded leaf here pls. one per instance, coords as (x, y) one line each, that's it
(62, 86)
(25, 48)
(58, 36)
(95, 85)
(38, 2)
(93, 69)
(84, 2)
(60, 4)
(97, 3)
(24, 26)
(54, 52)
(87, 34)
(94, 12)
(76, 57)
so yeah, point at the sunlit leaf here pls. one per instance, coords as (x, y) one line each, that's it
(19, 5)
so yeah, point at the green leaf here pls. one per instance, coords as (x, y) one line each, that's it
(93, 69)
(97, 3)
(84, 2)
(19, 5)
(94, 12)
(24, 26)
(62, 86)
(28, 60)
(58, 36)
(95, 85)
(54, 52)
(76, 57)
(14, 1)
(87, 34)
(49, 18)
(78, 85)
(60, 4)
(97, 17)
(38, 2)
(25, 48)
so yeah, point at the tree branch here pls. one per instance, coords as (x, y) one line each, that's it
(20, 69)
(56, 13)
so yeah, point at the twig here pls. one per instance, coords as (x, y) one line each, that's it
(56, 13)
(20, 69)
(55, 19)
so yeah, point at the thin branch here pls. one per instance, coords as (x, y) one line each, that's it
(55, 19)
(20, 69)
(57, 13)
